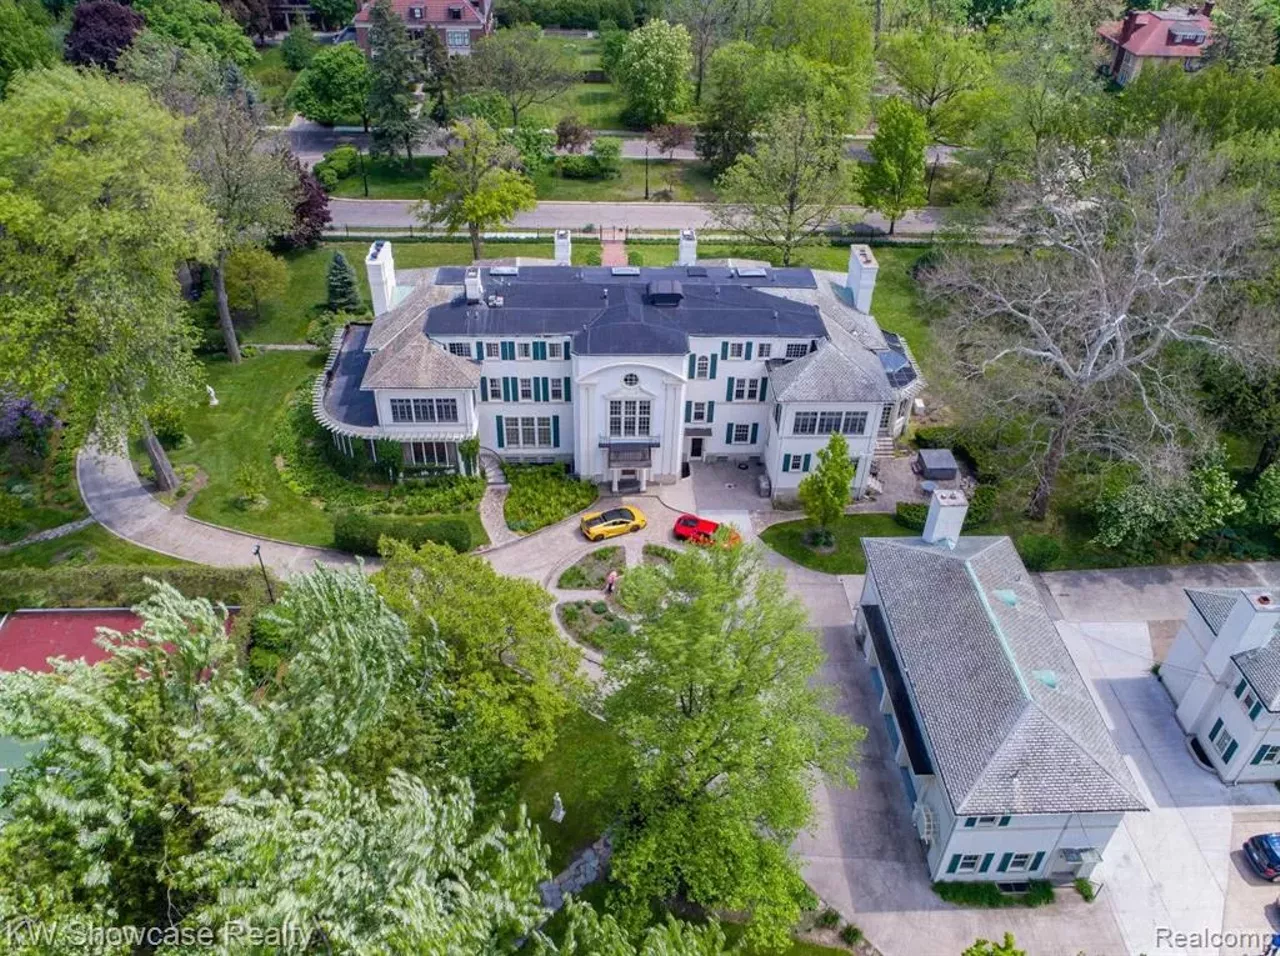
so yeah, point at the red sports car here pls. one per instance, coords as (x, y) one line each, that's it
(697, 530)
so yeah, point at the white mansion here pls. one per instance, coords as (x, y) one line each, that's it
(625, 373)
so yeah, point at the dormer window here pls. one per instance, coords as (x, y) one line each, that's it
(455, 13)
(415, 13)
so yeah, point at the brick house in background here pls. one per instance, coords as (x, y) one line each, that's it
(460, 23)
(1175, 35)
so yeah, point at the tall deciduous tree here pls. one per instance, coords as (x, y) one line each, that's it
(709, 22)
(476, 185)
(334, 86)
(825, 491)
(653, 72)
(521, 67)
(724, 730)
(97, 208)
(589, 934)
(100, 31)
(24, 39)
(1245, 398)
(894, 181)
(254, 275)
(789, 190)
(299, 45)
(1123, 258)
(310, 212)
(200, 26)
(333, 13)
(393, 69)
(938, 72)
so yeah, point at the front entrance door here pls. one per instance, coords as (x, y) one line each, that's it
(695, 449)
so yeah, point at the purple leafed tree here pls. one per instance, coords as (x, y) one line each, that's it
(24, 422)
(310, 213)
(100, 32)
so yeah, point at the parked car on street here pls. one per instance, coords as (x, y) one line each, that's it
(1263, 853)
(598, 525)
(697, 530)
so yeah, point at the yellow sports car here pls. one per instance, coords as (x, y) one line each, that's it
(599, 525)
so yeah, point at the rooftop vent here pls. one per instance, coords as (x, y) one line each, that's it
(504, 271)
(752, 272)
(1047, 677)
(1007, 596)
(697, 272)
(625, 271)
(665, 292)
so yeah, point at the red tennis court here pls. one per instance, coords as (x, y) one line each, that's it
(29, 638)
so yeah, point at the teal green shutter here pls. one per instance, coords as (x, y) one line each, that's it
(498, 421)
(806, 463)
(1231, 752)
(1004, 821)
(688, 411)
(555, 431)
(1255, 710)
(728, 392)
(755, 432)
(986, 863)
(1004, 862)
(786, 462)
(1257, 758)
(1217, 726)
(712, 372)
(479, 351)
(971, 821)
(747, 352)
(568, 347)
(537, 389)
(1240, 687)
(1036, 861)
(507, 350)
(546, 389)
(506, 389)
(484, 389)
(693, 364)
(955, 862)
(515, 389)
(542, 350)
(568, 395)
(711, 412)
(764, 388)
(724, 350)
(728, 433)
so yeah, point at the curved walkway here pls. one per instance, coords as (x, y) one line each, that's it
(117, 500)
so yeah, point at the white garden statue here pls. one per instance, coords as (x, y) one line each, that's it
(213, 396)
(557, 808)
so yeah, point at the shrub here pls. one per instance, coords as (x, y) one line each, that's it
(660, 553)
(360, 533)
(970, 448)
(125, 585)
(990, 896)
(607, 152)
(911, 515)
(1085, 889)
(541, 495)
(252, 487)
(851, 935)
(1038, 551)
(579, 167)
(828, 919)
(337, 165)
(167, 424)
(982, 506)
(572, 134)
(600, 607)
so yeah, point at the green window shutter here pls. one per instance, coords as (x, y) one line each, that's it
(537, 389)
(786, 462)
(1004, 862)
(970, 821)
(1257, 758)
(712, 371)
(1231, 752)
(764, 388)
(508, 350)
(484, 389)
(1036, 861)
(546, 389)
(568, 346)
(1254, 711)
(688, 411)
(986, 863)
(555, 431)
(1217, 726)
(747, 352)
(533, 350)
(501, 439)
(1004, 821)
(568, 395)
(479, 351)
(693, 364)
(711, 412)
(806, 463)
(955, 862)
(724, 350)
(1240, 687)
(728, 392)
(506, 389)
(542, 351)
(755, 432)
(728, 433)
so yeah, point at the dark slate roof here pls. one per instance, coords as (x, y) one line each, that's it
(1260, 666)
(615, 315)
(1214, 604)
(343, 399)
(1010, 721)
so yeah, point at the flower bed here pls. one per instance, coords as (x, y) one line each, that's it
(542, 495)
(591, 622)
(591, 570)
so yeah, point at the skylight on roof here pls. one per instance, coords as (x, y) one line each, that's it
(504, 271)
(1007, 596)
(625, 271)
(752, 272)
(1047, 677)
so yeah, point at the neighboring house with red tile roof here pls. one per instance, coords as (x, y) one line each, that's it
(1175, 35)
(460, 23)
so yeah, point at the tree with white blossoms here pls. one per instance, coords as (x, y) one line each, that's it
(589, 934)
(358, 870)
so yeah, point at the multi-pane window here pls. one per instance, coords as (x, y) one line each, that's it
(746, 389)
(797, 350)
(524, 350)
(701, 367)
(1248, 700)
(829, 422)
(555, 350)
(424, 410)
(544, 432)
(529, 433)
(741, 434)
(629, 418)
(1222, 742)
(495, 389)
(512, 428)
(968, 863)
(764, 349)
(557, 390)
(1268, 753)
(736, 350)
(699, 412)
(526, 389)
(806, 423)
(460, 349)
(492, 350)
(429, 453)
(886, 415)
(401, 410)
(855, 423)
(1019, 862)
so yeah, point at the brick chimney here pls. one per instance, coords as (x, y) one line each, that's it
(1128, 26)
(1207, 9)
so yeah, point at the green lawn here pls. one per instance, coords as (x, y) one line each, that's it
(92, 545)
(274, 80)
(286, 319)
(789, 540)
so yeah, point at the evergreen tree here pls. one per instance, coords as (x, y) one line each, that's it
(344, 290)
(299, 46)
(393, 113)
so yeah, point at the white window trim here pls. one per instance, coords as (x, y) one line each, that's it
(555, 350)
(1020, 863)
(743, 429)
(524, 351)
(764, 350)
(1272, 756)
(965, 866)
(699, 412)
(702, 367)
(524, 391)
(1223, 741)
(740, 348)
(557, 389)
(796, 350)
(493, 350)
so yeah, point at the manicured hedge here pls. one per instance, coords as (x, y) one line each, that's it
(990, 896)
(982, 505)
(360, 533)
(125, 585)
(967, 447)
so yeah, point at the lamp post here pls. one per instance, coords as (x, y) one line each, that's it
(266, 578)
(364, 177)
(646, 170)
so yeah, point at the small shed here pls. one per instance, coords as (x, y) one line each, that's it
(936, 464)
